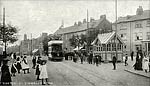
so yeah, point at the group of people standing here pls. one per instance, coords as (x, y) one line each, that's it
(17, 64)
(142, 62)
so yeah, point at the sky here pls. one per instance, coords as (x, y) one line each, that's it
(37, 16)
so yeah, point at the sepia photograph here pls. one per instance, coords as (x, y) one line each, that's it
(74, 42)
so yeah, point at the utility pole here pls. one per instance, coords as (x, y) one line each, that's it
(88, 42)
(31, 44)
(116, 28)
(4, 35)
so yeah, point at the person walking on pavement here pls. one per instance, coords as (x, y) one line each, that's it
(114, 60)
(5, 74)
(18, 65)
(100, 59)
(14, 69)
(91, 57)
(81, 58)
(145, 64)
(25, 65)
(126, 59)
(43, 72)
(97, 60)
(132, 54)
(34, 62)
(37, 67)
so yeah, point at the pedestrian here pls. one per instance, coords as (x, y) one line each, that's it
(5, 74)
(37, 72)
(145, 64)
(13, 68)
(75, 58)
(126, 59)
(34, 62)
(14, 56)
(132, 54)
(91, 57)
(114, 60)
(25, 65)
(100, 59)
(136, 62)
(81, 58)
(97, 60)
(18, 64)
(43, 72)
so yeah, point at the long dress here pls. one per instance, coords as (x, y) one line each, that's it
(145, 64)
(5, 77)
(13, 68)
(24, 64)
(43, 72)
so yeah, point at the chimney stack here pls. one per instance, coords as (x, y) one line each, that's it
(79, 23)
(84, 20)
(103, 17)
(91, 19)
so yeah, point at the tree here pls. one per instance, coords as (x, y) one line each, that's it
(73, 41)
(78, 40)
(8, 34)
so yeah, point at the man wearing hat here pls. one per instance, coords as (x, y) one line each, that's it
(6, 76)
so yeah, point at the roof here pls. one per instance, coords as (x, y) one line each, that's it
(145, 15)
(55, 42)
(81, 27)
(105, 38)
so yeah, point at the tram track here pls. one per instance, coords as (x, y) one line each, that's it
(95, 74)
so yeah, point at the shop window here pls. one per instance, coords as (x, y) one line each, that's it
(138, 25)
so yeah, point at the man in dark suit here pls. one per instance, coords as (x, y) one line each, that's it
(114, 60)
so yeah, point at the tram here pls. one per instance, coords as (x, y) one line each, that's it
(55, 51)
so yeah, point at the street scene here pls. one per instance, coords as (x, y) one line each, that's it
(74, 43)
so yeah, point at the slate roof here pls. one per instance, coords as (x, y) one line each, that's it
(105, 38)
(145, 15)
(77, 28)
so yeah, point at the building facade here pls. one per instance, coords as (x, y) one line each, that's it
(133, 29)
(79, 28)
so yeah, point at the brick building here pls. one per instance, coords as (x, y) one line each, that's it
(133, 29)
(79, 28)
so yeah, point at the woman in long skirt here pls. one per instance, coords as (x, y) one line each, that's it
(5, 76)
(18, 64)
(13, 69)
(145, 64)
(25, 65)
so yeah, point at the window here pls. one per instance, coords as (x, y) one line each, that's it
(138, 26)
(123, 26)
(138, 36)
(108, 47)
(148, 35)
(123, 36)
(148, 23)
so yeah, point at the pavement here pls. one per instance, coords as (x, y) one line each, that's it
(130, 69)
(68, 73)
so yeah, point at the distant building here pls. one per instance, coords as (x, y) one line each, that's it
(79, 28)
(28, 45)
(133, 29)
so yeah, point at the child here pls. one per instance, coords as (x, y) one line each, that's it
(43, 72)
